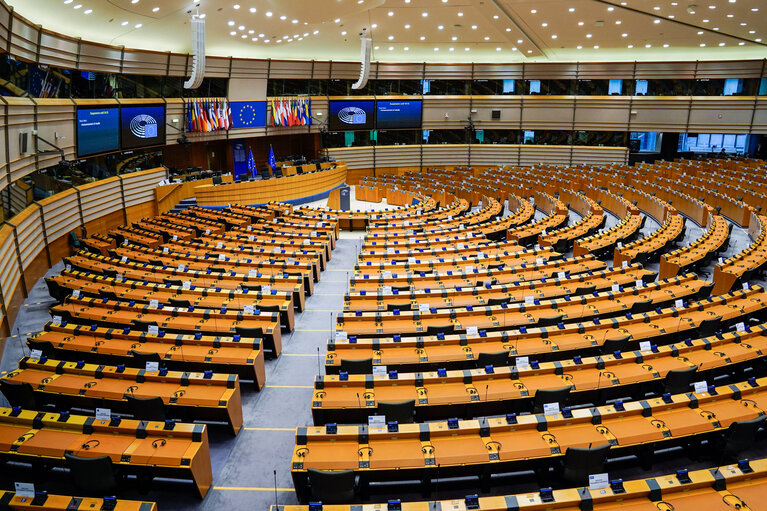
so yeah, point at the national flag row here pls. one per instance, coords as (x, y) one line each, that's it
(291, 112)
(208, 115)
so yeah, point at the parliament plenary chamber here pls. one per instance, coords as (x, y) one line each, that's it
(383, 255)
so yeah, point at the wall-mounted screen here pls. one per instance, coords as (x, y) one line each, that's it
(98, 130)
(142, 126)
(398, 114)
(351, 115)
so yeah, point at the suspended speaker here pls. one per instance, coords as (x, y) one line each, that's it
(198, 54)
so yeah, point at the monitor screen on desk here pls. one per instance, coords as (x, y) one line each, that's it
(352, 115)
(398, 114)
(142, 126)
(98, 130)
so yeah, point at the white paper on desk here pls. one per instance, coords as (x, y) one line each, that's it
(181, 267)
(123, 259)
(740, 327)
(639, 283)
(266, 289)
(165, 250)
(615, 288)
(103, 414)
(58, 320)
(550, 408)
(472, 330)
(543, 232)
(746, 287)
(379, 371)
(152, 367)
(119, 276)
(154, 303)
(423, 307)
(469, 269)
(411, 260)
(76, 293)
(36, 354)
(539, 260)
(221, 257)
(207, 231)
(679, 303)
(529, 300)
(700, 387)
(153, 330)
(376, 421)
(24, 489)
(341, 336)
(68, 267)
(313, 234)
(412, 240)
(598, 481)
(390, 251)
(625, 264)
(620, 244)
(187, 284)
(247, 309)
(252, 273)
(645, 346)
(561, 275)
(175, 238)
(386, 290)
(219, 244)
(523, 362)
(253, 238)
(386, 274)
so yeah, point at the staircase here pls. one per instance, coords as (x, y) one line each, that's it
(184, 204)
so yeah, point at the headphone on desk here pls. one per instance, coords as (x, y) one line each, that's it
(160, 442)
(90, 444)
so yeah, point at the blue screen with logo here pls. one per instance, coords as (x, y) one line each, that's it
(398, 114)
(142, 126)
(351, 115)
(98, 130)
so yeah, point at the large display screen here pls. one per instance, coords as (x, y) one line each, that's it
(98, 130)
(352, 115)
(142, 126)
(398, 114)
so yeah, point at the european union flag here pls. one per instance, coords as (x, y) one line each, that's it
(251, 164)
(272, 159)
(248, 114)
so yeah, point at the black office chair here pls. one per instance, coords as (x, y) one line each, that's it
(741, 435)
(401, 306)
(678, 381)
(332, 487)
(650, 277)
(550, 320)
(156, 262)
(173, 282)
(562, 245)
(497, 359)
(640, 307)
(217, 269)
(584, 290)
(146, 408)
(19, 394)
(45, 347)
(709, 326)
(704, 291)
(402, 412)
(249, 333)
(580, 462)
(143, 357)
(543, 396)
(363, 366)
(278, 172)
(109, 295)
(139, 324)
(265, 174)
(434, 330)
(497, 301)
(217, 180)
(610, 346)
(175, 302)
(92, 476)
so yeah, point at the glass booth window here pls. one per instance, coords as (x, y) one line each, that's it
(713, 143)
(648, 141)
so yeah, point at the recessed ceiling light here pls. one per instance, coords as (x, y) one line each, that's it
(406, 48)
(487, 38)
(743, 23)
(267, 40)
(454, 38)
(596, 46)
(245, 36)
(78, 6)
(251, 31)
(498, 49)
(741, 43)
(254, 39)
(671, 16)
(519, 41)
(451, 49)
(579, 47)
(391, 38)
(656, 21)
(752, 31)
(666, 45)
(712, 6)
(495, 16)
(533, 11)
(580, 23)
(730, 15)
(702, 45)
(571, 9)
(700, 32)
(436, 49)
(155, 9)
(422, 38)
(758, 39)
(134, 1)
(474, 27)
(294, 21)
(241, 27)
(124, 23)
(440, 27)
(407, 26)
(513, 48)
(138, 25)
(374, 25)
(424, 14)
(755, 9)
(618, 22)
(283, 17)
(529, 51)
(87, 11)
(648, 45)
(315, 33)
(269, 15)
(630, 46)
(343, 32)
(610, 9)
(588, 36)
(376, 47)
(67, 2)
(721, 44)
(624, 35)
(260, 35)
(554, 36)
(252, 10)
(466, 49)
(236, 6)
(390, 13)
(715, 28)
(656, 8)
(508, 29)
(391, 48)
(706, 21)
(544, 24)
(230, 23)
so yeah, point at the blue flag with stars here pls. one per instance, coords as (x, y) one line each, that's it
(248, 114)
(251, 164)
(272, 159)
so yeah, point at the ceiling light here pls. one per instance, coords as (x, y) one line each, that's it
(134, 1)
(315, 33)
(451, 49)
(571, 9)
(391, 38)
(436, 49)
(374, 25)
(391, 48)
(519, 41)
(87, 11)
(466, 49)
(743, 23)
(241, 27)
(124, 23)
(406, 48)
(343, 32)
(454, 38)
(611, 9)
(588, 36)
(498, 49)
(648, 45)
(758, 39)
(254, 39)
(741, 43)
(424, 14)
(712, 6)
(752, 31)
(155, 9)
(252, 10)
(513, 48)
(283, 17)
(656, 8)
(706, 21)
(730, 15)
(580, 23)
(244, 36)
(624, 35)
(630, 46)
(554, 36)
(529, 51)
(260, 35)
(666, 45)
(721, 44)
(487, 38)
(440, 27)
(294, 21)
(656, 21)
(508, 29)
(376, 47)
(138, 25)
(460, 14)
(533, 11)
(474, 27)
(618, 22)
(251, 31)
(423, 38)
(700, 32)
(230, 23)
(202, 16)
(755, 9)
(716, 28)
(407, 26)
(495, 16)
(334, 21)
(579, 47)
(78, 6)
(671, 16)
(702, 45)
(269, 15)
(596, 46)
(67, 2)
(390, 13)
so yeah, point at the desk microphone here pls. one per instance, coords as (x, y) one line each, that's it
(275, 489)
(486, 387)
(319, 358)
(599, 380)
(359, 404)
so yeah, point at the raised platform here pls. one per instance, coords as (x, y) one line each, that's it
(282, 189)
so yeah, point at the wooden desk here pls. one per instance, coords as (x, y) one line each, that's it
(261, 192)
(67, 503)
